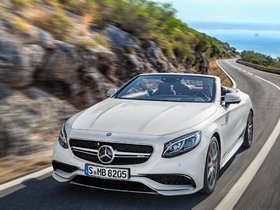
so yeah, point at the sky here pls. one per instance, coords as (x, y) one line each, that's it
(236, 11)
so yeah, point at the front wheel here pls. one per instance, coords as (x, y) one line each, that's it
(212, 166)
(248, 136)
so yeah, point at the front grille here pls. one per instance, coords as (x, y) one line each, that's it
(63, 167)
(125, 154)
(172, 179)
(112, 184)
(116, 146)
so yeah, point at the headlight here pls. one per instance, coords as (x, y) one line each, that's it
(62, 139)
(181, 145)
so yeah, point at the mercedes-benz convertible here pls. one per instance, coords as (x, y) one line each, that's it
(163, 133)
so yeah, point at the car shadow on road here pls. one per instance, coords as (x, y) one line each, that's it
(239, 151)
(49, 194)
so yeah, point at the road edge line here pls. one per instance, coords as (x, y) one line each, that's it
(235, 193)
(18, 181)
(232, 80)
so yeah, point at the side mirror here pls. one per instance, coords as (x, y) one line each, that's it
(111, 92)
(231, 98)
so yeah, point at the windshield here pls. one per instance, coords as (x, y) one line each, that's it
(182, 88)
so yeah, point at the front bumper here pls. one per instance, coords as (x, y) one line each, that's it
(190, 165)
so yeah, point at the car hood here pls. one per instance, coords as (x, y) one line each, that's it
(143, 117)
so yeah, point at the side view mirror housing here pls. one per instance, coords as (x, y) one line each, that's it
(231, 98)
(111, 92)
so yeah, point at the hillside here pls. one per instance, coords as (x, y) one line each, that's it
(60, 56)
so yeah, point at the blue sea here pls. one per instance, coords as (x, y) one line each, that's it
(262, 38)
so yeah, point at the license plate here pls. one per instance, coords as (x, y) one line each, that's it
(108, 173)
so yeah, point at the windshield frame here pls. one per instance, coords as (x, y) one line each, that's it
(213, 99)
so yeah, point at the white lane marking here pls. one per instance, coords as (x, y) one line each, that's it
(250, 73)
(268, 82)
(233, 81)
(24, 178)
(233, 196)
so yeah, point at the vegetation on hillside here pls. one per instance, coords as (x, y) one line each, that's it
(144, 19)
(260, 59)
(157, 21)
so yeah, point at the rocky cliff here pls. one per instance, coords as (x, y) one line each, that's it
(42, 76)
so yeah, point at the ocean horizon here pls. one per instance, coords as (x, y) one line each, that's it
(261, 38)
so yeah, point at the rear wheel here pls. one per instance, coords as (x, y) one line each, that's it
(212, 166)
(248, 137)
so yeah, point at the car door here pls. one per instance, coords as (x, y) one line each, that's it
(233, 124)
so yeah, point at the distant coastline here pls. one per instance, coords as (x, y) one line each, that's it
(262, 38)
(234, 26)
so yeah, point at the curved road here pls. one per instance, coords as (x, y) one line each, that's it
(262, 193)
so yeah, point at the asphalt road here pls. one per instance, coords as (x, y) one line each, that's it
(262, 193)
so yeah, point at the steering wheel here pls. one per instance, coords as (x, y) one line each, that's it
(149, 92)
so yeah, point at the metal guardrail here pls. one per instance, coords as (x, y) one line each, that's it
(259, 67)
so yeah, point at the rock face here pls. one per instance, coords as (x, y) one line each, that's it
(82, 73)
(30, 120)
(17, 63)
(61, 66)
(157, 58)
(202, 63)
(44, 38)
(134, 56)
(6, 91)
(44, 81)
(120, 39)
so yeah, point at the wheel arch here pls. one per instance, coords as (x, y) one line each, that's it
(251, 110)
(217, 135)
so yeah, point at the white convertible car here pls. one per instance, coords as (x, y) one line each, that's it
(160, 133)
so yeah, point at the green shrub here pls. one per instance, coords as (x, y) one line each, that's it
(79, 7)
(20, 24)
(203, 45)
(21, 3)
(183, 51)
(102, 40)
(260, 59)
(86, 42)
(93, 42)
(58, 24)
(167, 48)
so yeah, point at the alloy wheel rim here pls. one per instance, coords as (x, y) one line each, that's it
(212, 164)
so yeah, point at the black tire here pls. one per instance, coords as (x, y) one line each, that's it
(249, 131)
(212, 166)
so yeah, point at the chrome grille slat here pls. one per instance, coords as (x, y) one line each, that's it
(85, 149)
(85, 152)
(138, 156)
(132, 154)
